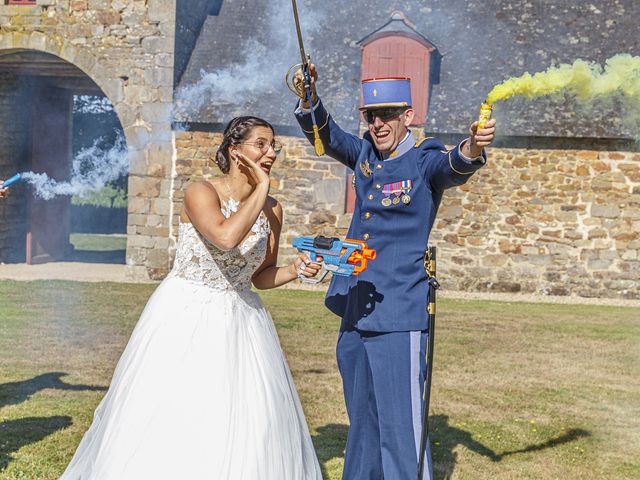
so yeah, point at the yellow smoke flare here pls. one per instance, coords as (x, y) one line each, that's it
(587, 81)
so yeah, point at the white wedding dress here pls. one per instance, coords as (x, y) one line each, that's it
(202, 390)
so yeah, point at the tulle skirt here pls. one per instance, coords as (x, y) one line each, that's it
(202, 391)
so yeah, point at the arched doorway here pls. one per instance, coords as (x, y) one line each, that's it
(53, 114)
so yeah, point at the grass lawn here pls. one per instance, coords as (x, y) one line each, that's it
(98, 242)
(98, 248)
(520, 390)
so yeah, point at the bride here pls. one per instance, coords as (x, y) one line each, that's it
(202, 390)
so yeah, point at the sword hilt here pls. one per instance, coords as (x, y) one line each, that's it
(430, 267)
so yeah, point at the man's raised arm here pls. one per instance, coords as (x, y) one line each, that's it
(338, 144)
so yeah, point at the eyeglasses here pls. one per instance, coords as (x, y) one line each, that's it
(384, 114)
(264, 146)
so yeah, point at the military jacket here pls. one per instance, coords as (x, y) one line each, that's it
(391, 294)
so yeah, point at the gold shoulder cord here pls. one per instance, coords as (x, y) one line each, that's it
(420, 142)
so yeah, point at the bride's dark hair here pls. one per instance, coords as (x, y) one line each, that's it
(236, 132)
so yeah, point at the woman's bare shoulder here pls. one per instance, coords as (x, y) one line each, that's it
(198, 196)
(201, 189)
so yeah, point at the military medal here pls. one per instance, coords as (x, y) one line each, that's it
(400, 190)
(366, 168)
(386, 190)
(407, 185)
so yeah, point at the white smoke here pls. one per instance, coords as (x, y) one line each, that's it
(261, 71)
(229, 84)
(91, 104)
(91, 169)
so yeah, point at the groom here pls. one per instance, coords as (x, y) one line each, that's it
(381, 348)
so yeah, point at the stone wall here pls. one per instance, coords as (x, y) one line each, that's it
(557, 222)
(127, 48)
(13, 148)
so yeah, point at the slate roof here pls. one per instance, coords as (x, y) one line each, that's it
(482, 42)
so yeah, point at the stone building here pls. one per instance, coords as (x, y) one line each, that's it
(556, 211)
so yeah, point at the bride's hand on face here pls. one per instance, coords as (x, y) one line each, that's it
(256, 172)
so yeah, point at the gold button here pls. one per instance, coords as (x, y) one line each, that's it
(367, 216)
(378, 186)
(365, 237)
(371, 196)
(379, 166)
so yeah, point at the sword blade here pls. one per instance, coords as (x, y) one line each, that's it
(299, 32)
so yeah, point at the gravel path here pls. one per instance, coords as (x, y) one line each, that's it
(81, 272)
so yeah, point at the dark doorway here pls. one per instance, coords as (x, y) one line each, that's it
(48, 230)
(40, 96)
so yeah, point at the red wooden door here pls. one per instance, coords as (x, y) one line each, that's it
(399, 56)
(48, 232)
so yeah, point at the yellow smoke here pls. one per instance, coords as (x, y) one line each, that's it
(587, 81)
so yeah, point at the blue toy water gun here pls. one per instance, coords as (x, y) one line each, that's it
(10, 181)
(340, 257)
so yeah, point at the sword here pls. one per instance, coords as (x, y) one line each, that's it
(430, 268)
(317, 142)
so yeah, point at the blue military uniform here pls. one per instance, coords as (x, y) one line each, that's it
(382, 342)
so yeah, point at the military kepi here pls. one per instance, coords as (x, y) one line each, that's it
(386, 92)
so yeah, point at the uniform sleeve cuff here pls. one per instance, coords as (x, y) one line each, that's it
(303, 115)
(464, 165)
(300, 110)
(469, 160)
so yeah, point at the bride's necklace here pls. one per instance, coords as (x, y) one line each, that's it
(232, 203)
(226, 184)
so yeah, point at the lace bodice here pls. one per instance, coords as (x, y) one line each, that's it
(198, 260)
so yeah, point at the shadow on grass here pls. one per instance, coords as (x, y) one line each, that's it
(15, 434)
(445, 438)
(329, 443)
(14, 393)
(569, 436)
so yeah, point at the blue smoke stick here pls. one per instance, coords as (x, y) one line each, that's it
(10, 181)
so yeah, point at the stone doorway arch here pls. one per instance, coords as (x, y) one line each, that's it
(37, 89)
(128, 50)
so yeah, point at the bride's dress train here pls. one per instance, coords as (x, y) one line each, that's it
(202, 390)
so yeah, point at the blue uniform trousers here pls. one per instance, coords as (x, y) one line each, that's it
(383, 377)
